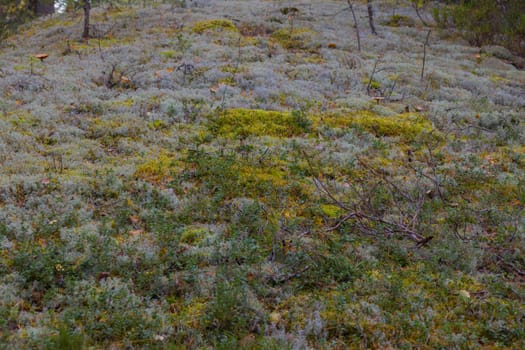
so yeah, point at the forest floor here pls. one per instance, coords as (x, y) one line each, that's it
(237, 174)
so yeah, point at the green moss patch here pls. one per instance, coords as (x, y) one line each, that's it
(400, 21)
(157, 170)
(194, 235)
(235, 123)
(332, 211)
(292, 39)
(406, 126)
(213, 25)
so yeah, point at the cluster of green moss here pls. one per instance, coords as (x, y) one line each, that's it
(157, 170)
(400, 21)
(214, 24)
(242, 123)
(406, 126)
(292, 39)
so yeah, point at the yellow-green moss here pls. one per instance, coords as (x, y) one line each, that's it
(191, 315)
(235, 123)
(331, 210)
(113, 105)
(406, 126)
(315, 59)
(22, 120)
(19, 67)
(295, 39)
(193, 235)
(499, 79)
(230, 81)
(232, 70)
(170, 54)
(214, 24)
(252, 177)
(56, 22)
(250, 41)
(156, 170)
(157, 124)
(400, 21)
(373, 84)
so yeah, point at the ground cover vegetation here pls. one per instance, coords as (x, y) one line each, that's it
(247, 174)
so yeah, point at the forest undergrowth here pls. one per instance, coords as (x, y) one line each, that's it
(238, 174)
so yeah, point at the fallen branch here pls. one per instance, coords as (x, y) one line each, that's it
(362, 212)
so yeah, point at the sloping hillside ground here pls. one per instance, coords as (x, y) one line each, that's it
(218, 176)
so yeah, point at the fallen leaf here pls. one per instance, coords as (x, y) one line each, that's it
(136, 232)
(134, 219)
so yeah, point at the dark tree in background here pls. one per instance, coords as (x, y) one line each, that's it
(482, 22)
(371, 16)
(87, 10)
(16, 12)
(42, 7)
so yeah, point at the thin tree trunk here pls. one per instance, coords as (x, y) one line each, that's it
(350, 5)
(372, 76)
(416, 7)
(87, 9)
(425, 54)
(371, 17)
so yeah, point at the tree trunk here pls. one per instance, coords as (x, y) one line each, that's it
(350, 5)
(425, 55)
(371, 17)
(87, 9)
(416, 7)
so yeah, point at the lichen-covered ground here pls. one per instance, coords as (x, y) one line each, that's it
(222, 175)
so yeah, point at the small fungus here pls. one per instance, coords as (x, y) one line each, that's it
(41, 56)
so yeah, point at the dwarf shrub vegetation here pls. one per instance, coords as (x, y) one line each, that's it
(487, 22)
